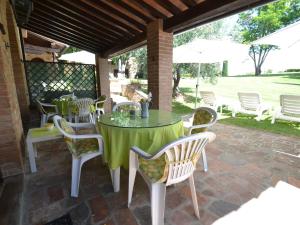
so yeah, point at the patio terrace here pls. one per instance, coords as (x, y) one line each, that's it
(242, 164)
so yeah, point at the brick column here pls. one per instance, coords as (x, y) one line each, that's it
(160, 58)
(11, 130)
(103, 83)
(18, 67)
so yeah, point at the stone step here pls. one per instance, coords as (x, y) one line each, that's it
(11, 200)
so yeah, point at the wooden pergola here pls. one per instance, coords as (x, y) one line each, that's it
(111, 27)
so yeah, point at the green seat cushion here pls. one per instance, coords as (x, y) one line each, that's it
(201, 117)
(156, 169)
(80, 147)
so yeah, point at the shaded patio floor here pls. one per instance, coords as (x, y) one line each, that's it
(242, 163)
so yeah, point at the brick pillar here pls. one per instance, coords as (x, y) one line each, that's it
(18, 67)
(103, 83)
(160, 58)
(11, 130)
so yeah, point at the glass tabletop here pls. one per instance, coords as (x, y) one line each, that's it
(157, 118)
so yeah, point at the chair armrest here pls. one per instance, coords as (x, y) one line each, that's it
(141, 153)
(99, 102)
(187, 118)
(83, 136)
(48, 105)
(82, 125)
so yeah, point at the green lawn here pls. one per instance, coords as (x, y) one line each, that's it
(270, 88)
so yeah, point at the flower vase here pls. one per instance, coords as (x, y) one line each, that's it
(145, 109)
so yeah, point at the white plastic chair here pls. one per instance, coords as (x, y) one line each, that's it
(45, 113)
(251, 103)
(121, 105)
(83, 106)
(99, 105)
(181, 157)
(72, 96)
(76, 144)
(191, 124)
(210, 100)
(289, 108)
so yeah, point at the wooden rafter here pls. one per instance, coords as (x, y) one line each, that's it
(108, 27)
(105, 8)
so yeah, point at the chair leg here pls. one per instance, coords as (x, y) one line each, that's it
(204, 159)
(115, 177)
(132, 174)
(43, 120)
(158, 195)
(273, 120)
(194, 196)
(76, 119)
(76, 170)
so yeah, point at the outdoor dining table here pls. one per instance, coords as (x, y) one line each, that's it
(120, 132)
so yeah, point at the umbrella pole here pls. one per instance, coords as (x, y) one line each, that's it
(197, 85)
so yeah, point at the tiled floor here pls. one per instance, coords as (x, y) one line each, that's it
(242, 164)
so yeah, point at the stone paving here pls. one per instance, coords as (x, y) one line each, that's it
(242, 163)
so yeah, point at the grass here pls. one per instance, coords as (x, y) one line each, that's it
(270, 87)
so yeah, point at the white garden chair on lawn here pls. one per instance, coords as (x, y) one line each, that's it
(83, 147)
(47, 111)
(289, 108)
(126, 106)
(199, 121)
(251, 103)
(210, 100)
(172, 164)
(84, 107)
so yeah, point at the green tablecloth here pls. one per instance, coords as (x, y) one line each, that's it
(119, 140)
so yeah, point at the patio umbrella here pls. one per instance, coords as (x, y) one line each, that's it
(79, 57)
(284, 38)
(207, 51)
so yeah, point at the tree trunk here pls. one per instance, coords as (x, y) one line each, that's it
(257, 70)
(176, 79)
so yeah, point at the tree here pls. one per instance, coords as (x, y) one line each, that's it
(259, 22)
(212, 30)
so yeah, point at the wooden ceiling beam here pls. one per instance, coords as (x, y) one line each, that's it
(60, 39)
(62, 31)
(52, 18)
(133, 10)
(189, 3)
(64, 12)
(169, 6)
(99, 16)
(105, 8)
(125, 47)
(38, 19)
(208, 11)
(67, 37)
(153, 11)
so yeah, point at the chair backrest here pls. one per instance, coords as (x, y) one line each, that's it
(204, 116)
(68, 96)
(83, 106)
(126, 106)
(40, 107)
(208, 97)
(290, 105)
(183, 154)
(249, 100)
(100, 101)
